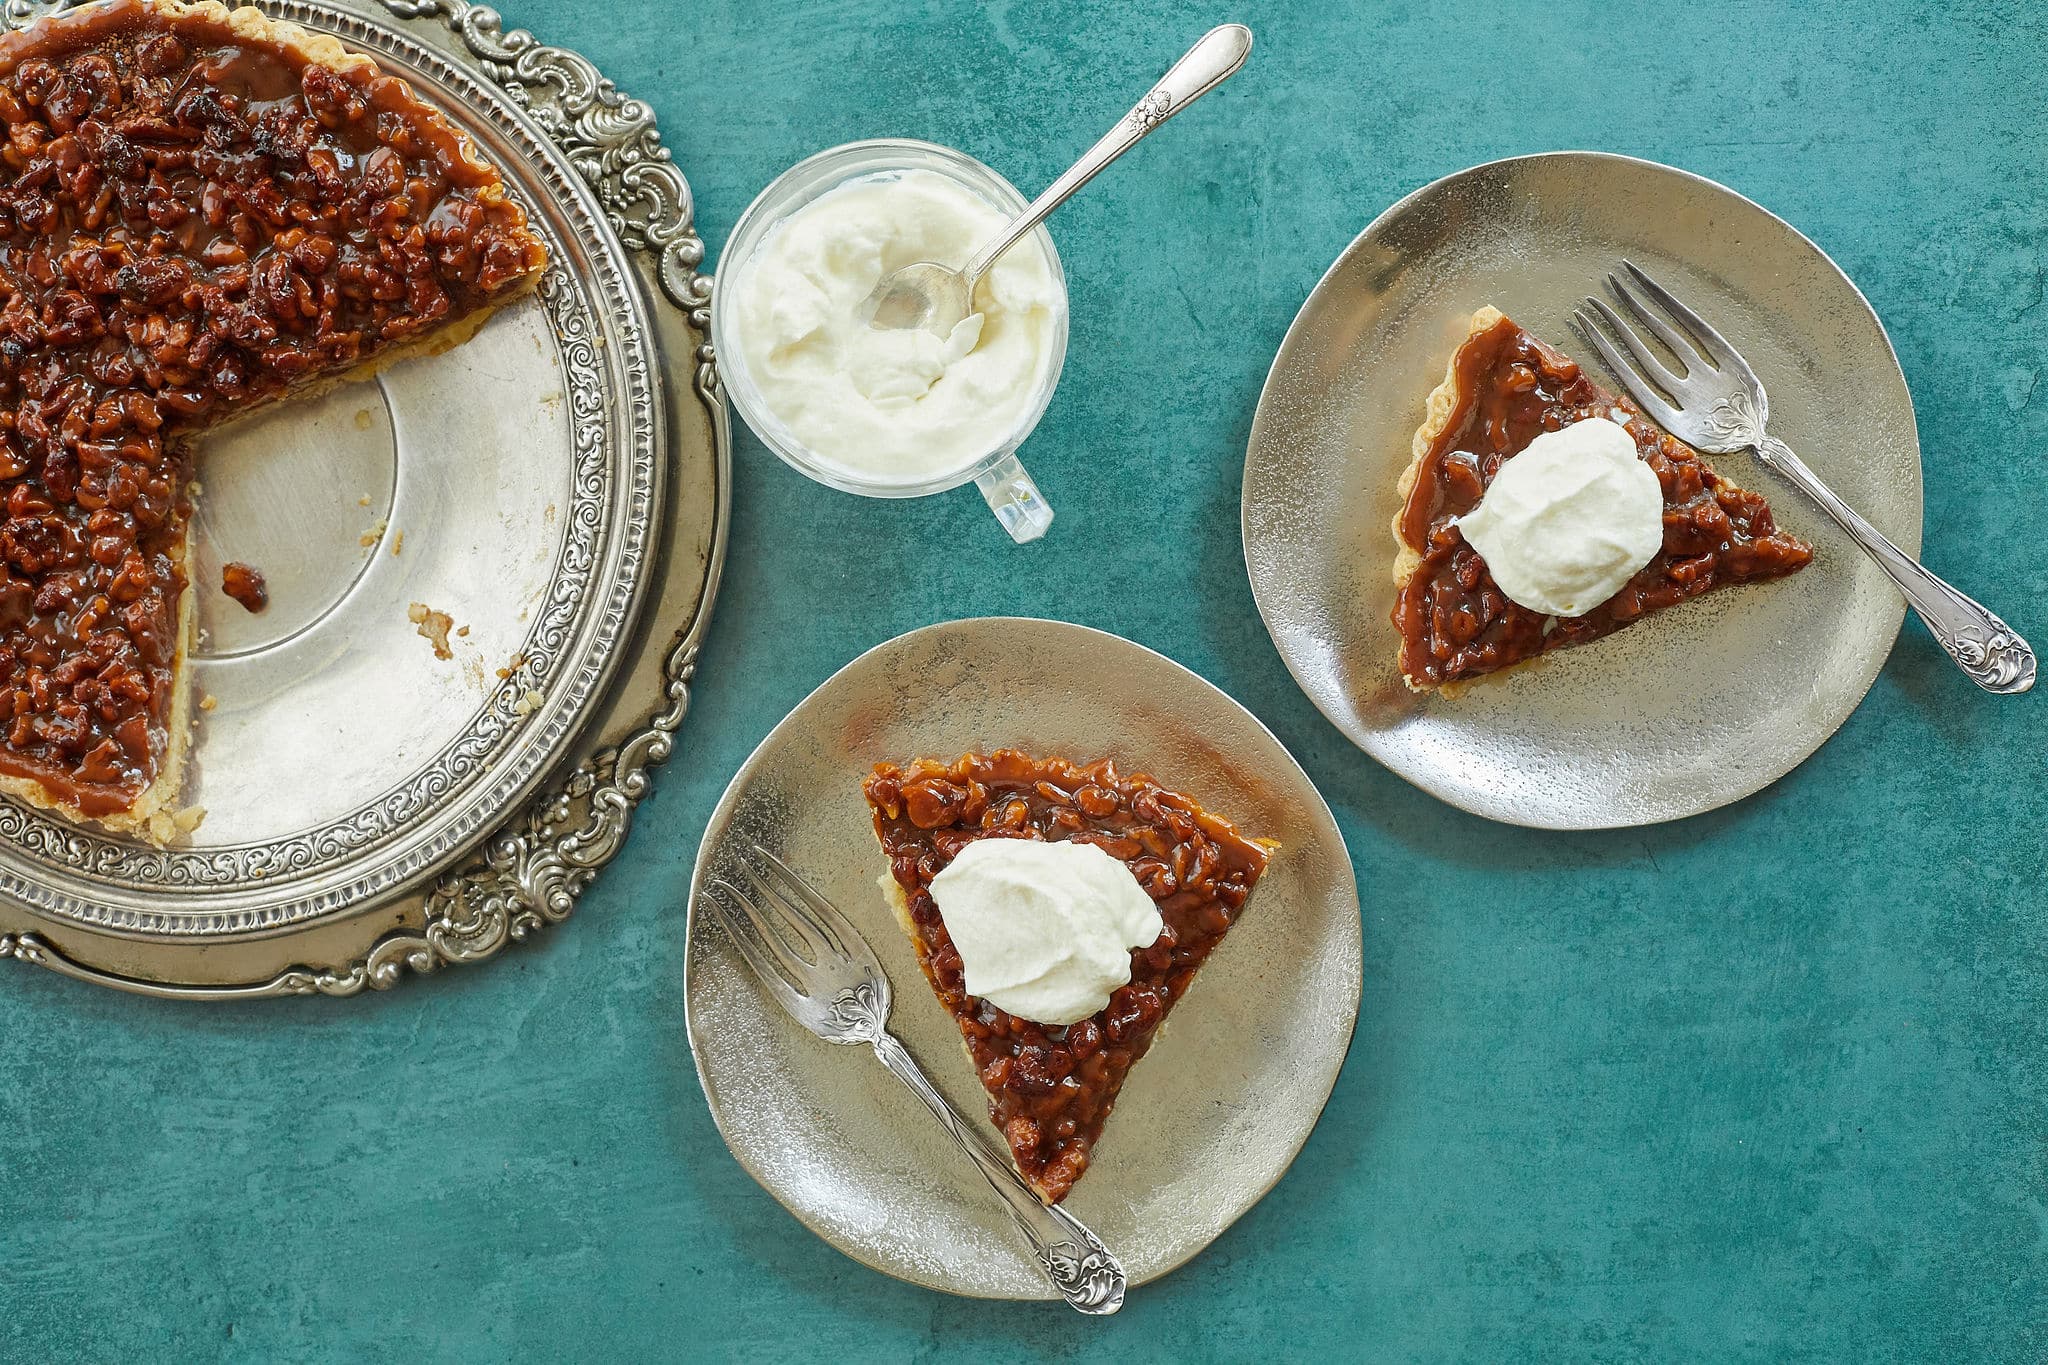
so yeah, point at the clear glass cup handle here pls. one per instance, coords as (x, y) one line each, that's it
(1015, 500)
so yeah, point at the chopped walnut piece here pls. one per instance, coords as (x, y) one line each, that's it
(245, 585)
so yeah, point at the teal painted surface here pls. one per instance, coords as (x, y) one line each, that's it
(1768, 1084)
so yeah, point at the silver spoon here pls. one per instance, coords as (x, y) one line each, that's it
(936, 297)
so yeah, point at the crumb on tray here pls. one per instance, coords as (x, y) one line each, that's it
(434, 627)
(166, 826)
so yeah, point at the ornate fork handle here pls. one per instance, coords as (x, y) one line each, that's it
(1986, 648)
(1076, 1262)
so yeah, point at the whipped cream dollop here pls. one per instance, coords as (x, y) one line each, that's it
(1570, 519)
(1044, 930)
(894, 406)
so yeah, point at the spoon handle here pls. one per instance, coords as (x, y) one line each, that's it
(1219, 53)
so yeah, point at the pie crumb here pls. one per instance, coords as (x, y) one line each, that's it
(529, 701)
(363, 501)
(398, 542)
(434, 627)
(374, 534)
(463, 631)
(166, 826)
(208, 702)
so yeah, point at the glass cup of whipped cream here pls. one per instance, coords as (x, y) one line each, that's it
(891, 414)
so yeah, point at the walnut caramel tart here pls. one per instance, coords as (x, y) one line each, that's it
(1051, 1088)
(1502, 389)
(204, 211)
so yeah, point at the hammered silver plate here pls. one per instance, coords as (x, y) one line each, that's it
(1693, 708)
(1214, 1113)
(523, 483)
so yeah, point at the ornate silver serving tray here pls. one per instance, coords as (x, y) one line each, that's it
(556, 487)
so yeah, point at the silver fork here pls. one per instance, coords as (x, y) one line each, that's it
(1721, 406)
(825, 974)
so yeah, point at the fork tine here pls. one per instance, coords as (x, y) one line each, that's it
(791, 924)
(1645, 393)
(1675, 341)
(1712, 342)
(744, 936)
(771, 960)
(824, 916)
(1646, 359)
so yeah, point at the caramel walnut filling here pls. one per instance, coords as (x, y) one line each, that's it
(1050, 1088)
(193, 222)
(1453, 619)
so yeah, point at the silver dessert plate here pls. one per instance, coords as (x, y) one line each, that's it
(1690, 709)
(1211, 1116)
(525, 485)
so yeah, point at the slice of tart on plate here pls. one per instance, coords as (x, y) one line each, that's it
(1577, 541)
(1054, 933)
(206, 211)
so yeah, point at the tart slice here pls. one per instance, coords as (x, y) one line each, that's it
(1503, 389)
(204, 211)
(1051, 1087)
